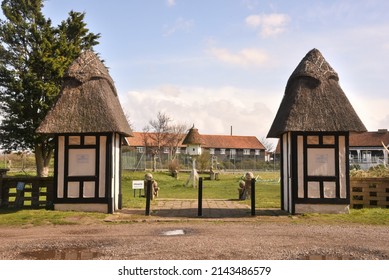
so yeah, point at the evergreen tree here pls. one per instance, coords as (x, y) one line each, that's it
(34, 56)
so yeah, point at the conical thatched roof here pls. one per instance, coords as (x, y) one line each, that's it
(88, 101)
(314, 101)
(193, 137)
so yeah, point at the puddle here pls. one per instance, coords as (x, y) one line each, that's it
(174, 232)
(63, 254)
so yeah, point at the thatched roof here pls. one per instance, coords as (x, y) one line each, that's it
(193, 137)
(88, 101)
(314, 101)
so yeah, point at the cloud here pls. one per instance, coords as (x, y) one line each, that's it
(245, 57)
(212, 110)
(269, 25)
(170, 90)
(171, 3)
(179, 25)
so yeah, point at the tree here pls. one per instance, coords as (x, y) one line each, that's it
(269, 146)
(34, 56)
(163, 133)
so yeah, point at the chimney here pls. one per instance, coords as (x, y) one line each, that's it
(231, 130)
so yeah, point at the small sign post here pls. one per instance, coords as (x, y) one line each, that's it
(138, 185)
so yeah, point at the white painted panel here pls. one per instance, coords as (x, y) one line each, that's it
(342, 167)
(313, 190)
(74, 140)
(284, 140)
(102, 165)
(90, 140)
(82, 162)
(73, 189)
(300, 166)
(61, 165)
(117, 170)
(329, 189)
(290, 153)
(321, 162)
(89, 189)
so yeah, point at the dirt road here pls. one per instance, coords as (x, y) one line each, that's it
(195, 240)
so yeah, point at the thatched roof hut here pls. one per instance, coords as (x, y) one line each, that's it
(314, 101)
(193, 137)
(88, 101)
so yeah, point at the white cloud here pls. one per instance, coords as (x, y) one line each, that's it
(245, 57)
(171, 3)
(170, 90)
(180, 24)
(212, 110)
(269, 25)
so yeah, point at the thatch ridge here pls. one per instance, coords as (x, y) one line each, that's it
(314, 101)
(88, 102)
(193, 137)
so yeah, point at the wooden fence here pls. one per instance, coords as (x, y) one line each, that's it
(369, 192)
(26, 192)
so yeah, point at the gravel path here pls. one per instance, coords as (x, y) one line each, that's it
(195, 240)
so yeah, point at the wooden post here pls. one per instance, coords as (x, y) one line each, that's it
(200, 198)
(148, 197)
(35, 185)
(253, 197)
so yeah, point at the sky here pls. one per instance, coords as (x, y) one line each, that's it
(223, 63)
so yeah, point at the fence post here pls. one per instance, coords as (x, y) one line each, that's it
(35, 185)
(148, 197)
(253, 197)
(200, 198)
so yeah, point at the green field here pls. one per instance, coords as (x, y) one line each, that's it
(226, 187)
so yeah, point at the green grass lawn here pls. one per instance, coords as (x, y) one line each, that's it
(267, 188)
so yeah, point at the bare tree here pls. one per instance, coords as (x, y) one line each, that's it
(269, 146)
(163, 133)
(176, 136)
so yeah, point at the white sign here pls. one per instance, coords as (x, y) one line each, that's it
(138, 185)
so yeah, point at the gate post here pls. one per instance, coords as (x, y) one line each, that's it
(148, 197)
(253, 197)
(200, 198)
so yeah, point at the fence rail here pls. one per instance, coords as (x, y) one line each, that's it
(369, 192)
(26, 192)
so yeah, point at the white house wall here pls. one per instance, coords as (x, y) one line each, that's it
(286, 165)
(300, 166)
(342, 167)
(102, 167)
(61, 166)
(115, 180)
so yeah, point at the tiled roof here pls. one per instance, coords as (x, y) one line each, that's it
(369, 139)
(231, 142)
(209, 141)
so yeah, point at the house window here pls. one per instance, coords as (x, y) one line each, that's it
(212, 151)
(140, 150)
(257, 152)
(232, 153)
(222, 151)
(178, 151)
(246, 152)
(165, 150)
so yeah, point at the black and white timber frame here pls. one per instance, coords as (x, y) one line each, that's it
(87, 176)
(314, 172)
